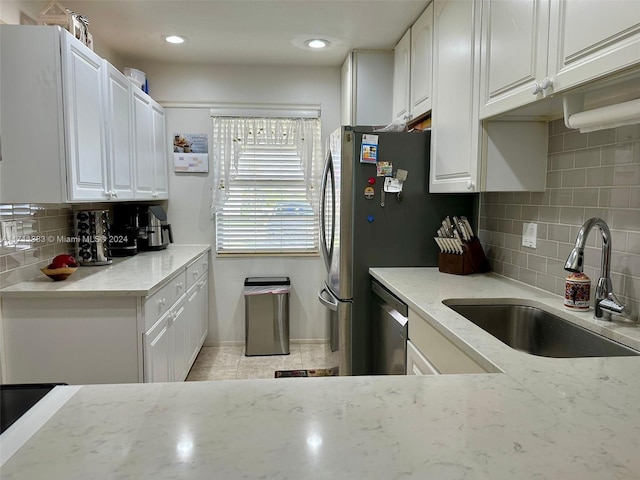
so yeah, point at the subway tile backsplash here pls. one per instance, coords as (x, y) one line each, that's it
(594, 174)
(40, 229)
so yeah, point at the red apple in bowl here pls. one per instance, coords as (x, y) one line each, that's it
(60, 267)
(62, 261)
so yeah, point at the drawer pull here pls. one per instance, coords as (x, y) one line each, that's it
(180, 285)
(162, 302)
(195, 273)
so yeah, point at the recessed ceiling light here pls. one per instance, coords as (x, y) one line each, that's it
(174, 39)
(317, 43)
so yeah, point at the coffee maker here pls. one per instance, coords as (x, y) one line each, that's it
(154, 233)
(124, 231)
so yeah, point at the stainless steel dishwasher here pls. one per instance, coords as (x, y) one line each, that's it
(390, 327)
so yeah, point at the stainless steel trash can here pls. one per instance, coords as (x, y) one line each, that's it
(266, 302)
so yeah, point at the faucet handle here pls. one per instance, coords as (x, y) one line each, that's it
(611, 305)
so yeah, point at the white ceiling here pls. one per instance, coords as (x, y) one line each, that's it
(246, 31)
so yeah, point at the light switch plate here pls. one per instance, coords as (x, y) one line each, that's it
(529, 234)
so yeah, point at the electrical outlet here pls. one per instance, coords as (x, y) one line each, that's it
(529, 234)
(8, 233)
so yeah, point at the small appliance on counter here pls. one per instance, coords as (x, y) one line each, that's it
(91, 229)
(124, 231)
(154, 233)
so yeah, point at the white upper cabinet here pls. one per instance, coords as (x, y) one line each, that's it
(532, 49)
(468, 155)
(160, 168)
(66, 120)
(455, 165)
(143, 150)
(83, 73)
(402, 78)
(119, 134)
(413, 69)
(514, 53)
(422, 63)
(367, 80)
(588, 40)
(150, 151)
(51, 105)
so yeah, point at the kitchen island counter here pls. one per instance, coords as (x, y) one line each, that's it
(542, 418)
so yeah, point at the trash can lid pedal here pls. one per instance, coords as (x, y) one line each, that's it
(263, 281)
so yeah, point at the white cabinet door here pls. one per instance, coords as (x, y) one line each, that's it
(180, 341)
(514, 53)
(592, 39)
(346, 91)
(417, 363)
(455, 160)
(160, 157)
(119, 134)
(402, 78)
(143, 151)
(85, 121)
(366, 82)
(198, 314)
(150, 153)
(157, 352)
(421, 63)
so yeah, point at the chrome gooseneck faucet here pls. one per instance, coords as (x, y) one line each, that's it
(606, 301)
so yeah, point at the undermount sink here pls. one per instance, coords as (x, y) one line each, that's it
(538, 332)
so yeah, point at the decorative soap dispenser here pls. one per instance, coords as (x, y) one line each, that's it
(577, 291)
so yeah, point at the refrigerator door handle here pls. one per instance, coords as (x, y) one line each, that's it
(327, 253)
(331, 303)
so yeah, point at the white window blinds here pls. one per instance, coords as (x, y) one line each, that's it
(266, 194)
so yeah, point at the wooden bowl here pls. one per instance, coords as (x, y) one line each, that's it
(58, 273)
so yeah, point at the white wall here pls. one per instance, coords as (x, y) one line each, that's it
(189, 206)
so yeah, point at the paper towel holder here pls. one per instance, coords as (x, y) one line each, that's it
(611, 116)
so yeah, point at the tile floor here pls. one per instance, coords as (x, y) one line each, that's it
(230, 362)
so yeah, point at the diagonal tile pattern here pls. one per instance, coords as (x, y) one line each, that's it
(230, 362)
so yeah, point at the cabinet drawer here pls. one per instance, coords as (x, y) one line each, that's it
(160, 302)
(197, 269)
(438, 349)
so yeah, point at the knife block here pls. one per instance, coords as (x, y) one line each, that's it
(472, 260)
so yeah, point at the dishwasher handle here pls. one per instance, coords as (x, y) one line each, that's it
(331, 303)
(389, 298)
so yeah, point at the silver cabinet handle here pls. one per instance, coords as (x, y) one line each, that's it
(546, 83)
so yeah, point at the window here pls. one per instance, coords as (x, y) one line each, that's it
(266, 174)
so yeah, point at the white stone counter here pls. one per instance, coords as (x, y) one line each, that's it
(139, 275)
(543, 418)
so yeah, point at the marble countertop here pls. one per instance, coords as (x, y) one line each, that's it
(542, 418)
(139, 275)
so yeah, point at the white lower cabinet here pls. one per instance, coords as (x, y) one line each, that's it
(157, 352)
(177, 323)
(417, 363)
(108, 339)
(434, 353)
(198, 307)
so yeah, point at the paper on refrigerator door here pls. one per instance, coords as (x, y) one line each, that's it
(392, 185)
(369, 149)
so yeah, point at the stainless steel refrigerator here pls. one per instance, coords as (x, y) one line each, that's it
(362, 228)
